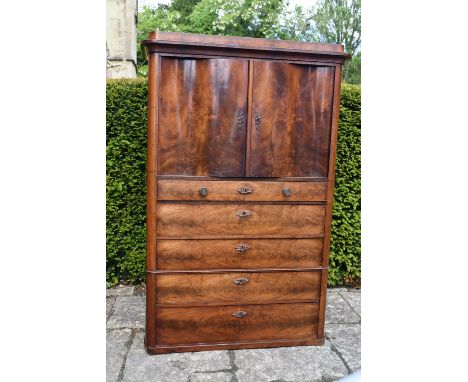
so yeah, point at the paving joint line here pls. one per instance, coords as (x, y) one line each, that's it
(338, 353)
(343, 323)
(234, 367)
(111, 312)
(212, 371)
(128, 345)
(344, 298)
(125, 327)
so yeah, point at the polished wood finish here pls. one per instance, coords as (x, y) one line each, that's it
(241, 160)
(218, 324)
(231, 254)
(193, 289)
(240, 42)
(183, 44)
(170, 190)
(151, 200)
(194, 220)
(233, 345)
(203, 105)
(292, 107)
(331, 184)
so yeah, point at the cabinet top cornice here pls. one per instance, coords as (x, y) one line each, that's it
(157, 41)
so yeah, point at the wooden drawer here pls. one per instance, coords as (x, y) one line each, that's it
(178, 326)
(237, 287)
(242, 190)
(233, 220)
(233, 254)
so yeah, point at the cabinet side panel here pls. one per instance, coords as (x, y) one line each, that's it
(331, 166)
(329, 205)
(151, 199)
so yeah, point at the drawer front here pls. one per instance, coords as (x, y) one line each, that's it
(237, 287)
(178, 326)
(241, 190)
(250, 253)
(192, 221)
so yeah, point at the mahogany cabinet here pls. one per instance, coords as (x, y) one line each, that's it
(241, 160)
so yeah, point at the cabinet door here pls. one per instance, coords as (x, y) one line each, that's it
(202, 116)
(291, 120)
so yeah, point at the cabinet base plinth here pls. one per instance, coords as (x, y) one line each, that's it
(161, 349)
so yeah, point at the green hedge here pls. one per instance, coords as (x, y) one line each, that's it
(345, 250)
(126, 181)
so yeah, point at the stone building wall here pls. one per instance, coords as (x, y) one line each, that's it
(121, 38)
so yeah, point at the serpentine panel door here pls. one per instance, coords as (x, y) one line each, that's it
(292, 115)
(202, 115)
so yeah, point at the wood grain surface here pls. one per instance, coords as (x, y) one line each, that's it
(243, 262)
(217, 324)
(241, 42)
(292, 111)
(250, 253)
(245, 190)
(192, 220)
(151, 201)
(202, 288)
(202, 116)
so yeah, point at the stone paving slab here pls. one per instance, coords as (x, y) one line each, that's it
(115, 352)
(120, 290)
(353, 299)
(338, 311)
(302, 363)
(128, 312)
(175, 367)
(211, 377)
(109, 303)
(346, 338)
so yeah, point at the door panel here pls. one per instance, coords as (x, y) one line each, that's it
(202, 116)
(291, 120)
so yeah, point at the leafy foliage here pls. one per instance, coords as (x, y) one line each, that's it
(151, 19)
(339, 22)
(352, 70)
(332, 21)
(126, 179)
(345, 249)
(126, 185)
(251, 18)
(248, 18)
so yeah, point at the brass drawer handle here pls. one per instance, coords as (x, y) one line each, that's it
(242, 247)
(240, 314)
(287, 192)
(244, 190)
(241, 281)
(203, 191)
(244, 213)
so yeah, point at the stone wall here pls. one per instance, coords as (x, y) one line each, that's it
(121, 38)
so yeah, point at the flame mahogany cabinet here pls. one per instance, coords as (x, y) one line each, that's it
(241, 160)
